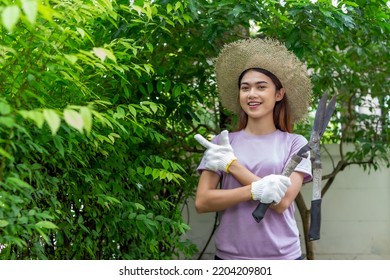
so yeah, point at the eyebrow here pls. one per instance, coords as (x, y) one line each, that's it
(257, 83)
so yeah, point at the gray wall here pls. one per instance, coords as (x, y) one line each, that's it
(355, 216)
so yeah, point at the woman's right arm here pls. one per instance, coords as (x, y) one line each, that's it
(243, 175)
(209, 198)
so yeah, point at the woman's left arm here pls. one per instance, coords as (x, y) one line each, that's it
(245, 177)
(292, 192)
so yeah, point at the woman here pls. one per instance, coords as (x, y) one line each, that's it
(268, 87)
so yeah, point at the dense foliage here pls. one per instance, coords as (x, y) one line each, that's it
(100, 101)
(84, 172)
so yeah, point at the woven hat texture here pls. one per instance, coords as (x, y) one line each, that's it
(268, 54)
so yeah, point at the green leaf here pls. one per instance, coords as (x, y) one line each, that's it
(103, 54)
(3, 223)
(152, 106)
(86, 115)
(166, 164)
(30, 8)
(148, 170)
(36, 116)
(169, 8)
(148, 68)
(19, 182)
(81, 31)
(100, 53)
(7, 121)
(32, 212)
(5, 154)
(141, 217)
(71, 58)
(23, 220)
(148, 10)
(176, 90)
(52, 119)
(132, 110)
(74, 119)
(10, 17)
(46, 224)
(178, 5)
(5, 108)
(139, 206)
(58, 144)
(155, 173)
(150, 47)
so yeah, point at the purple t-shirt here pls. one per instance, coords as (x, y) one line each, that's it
(238, 235)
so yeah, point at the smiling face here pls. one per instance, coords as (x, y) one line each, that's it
(258, 95)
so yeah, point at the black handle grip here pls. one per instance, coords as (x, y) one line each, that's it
(260, 211)
(315, 220)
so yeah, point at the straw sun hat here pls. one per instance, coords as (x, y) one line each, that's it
(268, 54)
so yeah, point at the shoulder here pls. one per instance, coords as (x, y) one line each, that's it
(293, 137)
(232, 136)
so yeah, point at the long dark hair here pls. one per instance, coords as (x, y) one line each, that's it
(282, 116)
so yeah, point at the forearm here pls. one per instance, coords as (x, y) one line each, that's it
(210, 199)
(220, 199)
(242, 174)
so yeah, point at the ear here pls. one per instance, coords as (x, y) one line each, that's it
(280, 94)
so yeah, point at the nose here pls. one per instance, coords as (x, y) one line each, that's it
(251, 93)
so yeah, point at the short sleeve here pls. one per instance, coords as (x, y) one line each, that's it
(305, 165)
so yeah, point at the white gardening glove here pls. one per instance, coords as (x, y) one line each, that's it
(270, 189)
(217, 157)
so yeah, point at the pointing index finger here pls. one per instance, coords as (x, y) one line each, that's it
(203, 141)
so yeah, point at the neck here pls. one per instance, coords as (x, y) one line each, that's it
(260, 128)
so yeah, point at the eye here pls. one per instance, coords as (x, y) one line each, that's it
(244, 88)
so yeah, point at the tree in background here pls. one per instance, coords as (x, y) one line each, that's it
(101, 99)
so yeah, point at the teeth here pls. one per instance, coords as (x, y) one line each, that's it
(254, 103)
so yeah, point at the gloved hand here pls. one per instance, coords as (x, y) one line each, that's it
(217, 157)
(270, 189)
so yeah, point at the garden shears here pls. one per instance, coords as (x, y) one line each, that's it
(321, 120)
